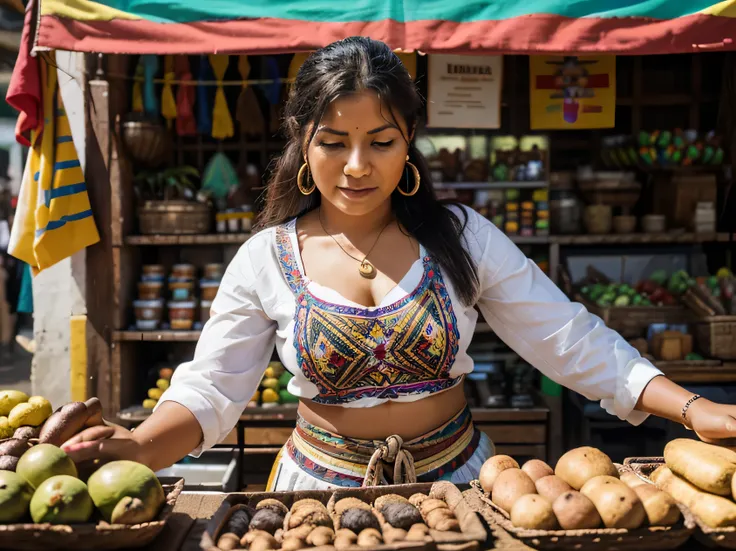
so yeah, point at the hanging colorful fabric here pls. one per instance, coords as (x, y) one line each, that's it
(186, 125)
(150, 101)
(222, 122)
(248, 112)
(137, 93)
(273, 89)
(168, 103)
(204, 112)
(409, 59)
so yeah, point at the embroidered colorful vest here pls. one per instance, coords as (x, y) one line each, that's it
(405, 348)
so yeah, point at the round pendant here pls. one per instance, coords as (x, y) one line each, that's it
(367, 270)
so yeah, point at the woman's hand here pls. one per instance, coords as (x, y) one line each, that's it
(108, 442)
(712, 422)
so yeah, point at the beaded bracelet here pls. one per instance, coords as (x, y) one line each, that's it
(686, 407)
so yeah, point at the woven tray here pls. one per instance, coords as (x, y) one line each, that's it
(721, 537)
(88, 537)
(646, 538)
(470, 537)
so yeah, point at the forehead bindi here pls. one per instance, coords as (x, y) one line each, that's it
(358, 114)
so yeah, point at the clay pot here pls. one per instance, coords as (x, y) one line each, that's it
(209, 289)
(153, 272)
(213, 272)
(148, 314)
(181, 314)
(624, 224)
(654, 223)
(598, 219)
(150, 290)
(181, 288)
(184, 271)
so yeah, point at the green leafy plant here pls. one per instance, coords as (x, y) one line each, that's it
(168, 184)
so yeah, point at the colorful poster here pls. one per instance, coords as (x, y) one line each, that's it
(464, 91)
(572, 92)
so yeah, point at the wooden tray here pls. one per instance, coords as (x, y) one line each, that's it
(89, 537)
(646, 538)
(470, 537)
(721, 537)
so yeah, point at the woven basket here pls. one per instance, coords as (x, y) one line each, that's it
(716, 337)
(174, 218)
(721, 537)
(646, 538)
(471, 536)
(88, 537)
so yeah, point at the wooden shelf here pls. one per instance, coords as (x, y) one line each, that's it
(638, 238)
(530, 240)
(699, 372)
(156, 336)
(206, 239)
(481, 186)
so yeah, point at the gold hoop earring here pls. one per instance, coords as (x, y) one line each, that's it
(300, 177)
(417, 181)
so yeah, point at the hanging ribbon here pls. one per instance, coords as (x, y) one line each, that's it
(222, 122)
(248, 112)
(409, 59)
(186, 125)
(168, 103)
(204, 112)
(137, 93)
(273, 90)
(150, 101)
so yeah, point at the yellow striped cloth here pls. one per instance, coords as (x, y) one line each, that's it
(53, 219)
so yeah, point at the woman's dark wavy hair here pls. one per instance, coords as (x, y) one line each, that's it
(344, 67)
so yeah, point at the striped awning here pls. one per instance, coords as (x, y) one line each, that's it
(467, 26)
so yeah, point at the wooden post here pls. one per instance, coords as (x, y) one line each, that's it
(99, 256)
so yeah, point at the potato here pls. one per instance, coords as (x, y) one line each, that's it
(574, 511)
(64, 424)
(370, 537)
(537, 469)
(321, 535)
(492, 468)
(599, 481)
(551, 487)
(533, 512)
(14, 447)
(94, 412)
(660, 508)
(632, 480)
(510, 485)
(714, 511)
(708, 467)
(578, 466)
(618, 505)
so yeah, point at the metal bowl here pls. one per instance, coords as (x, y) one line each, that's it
(146, 142)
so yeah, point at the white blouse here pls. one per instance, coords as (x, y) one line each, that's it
(255, 307)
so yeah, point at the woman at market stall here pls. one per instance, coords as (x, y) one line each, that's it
(368, 287)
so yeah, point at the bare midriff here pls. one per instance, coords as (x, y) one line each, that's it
(406, 419)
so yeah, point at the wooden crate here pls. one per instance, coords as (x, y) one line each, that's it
(716, 337)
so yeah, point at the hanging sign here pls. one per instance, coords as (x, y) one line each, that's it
(464, 91)
(572, 92)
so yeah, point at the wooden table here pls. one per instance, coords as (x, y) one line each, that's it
(184, 530)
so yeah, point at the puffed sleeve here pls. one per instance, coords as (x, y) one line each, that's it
(570, 345)
(231, 356)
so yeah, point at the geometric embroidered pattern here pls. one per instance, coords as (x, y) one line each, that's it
(351, 353)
